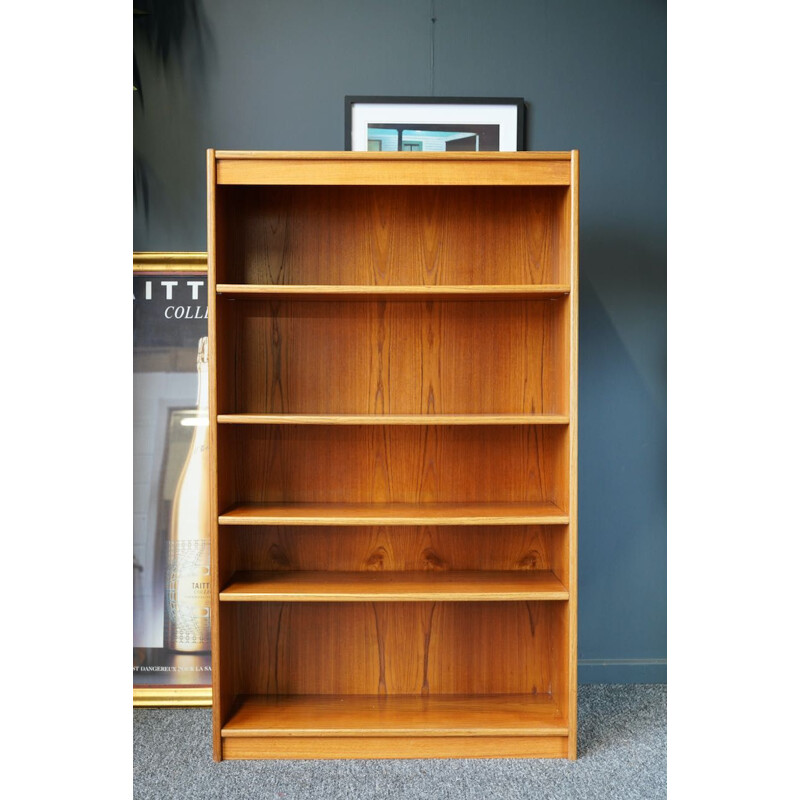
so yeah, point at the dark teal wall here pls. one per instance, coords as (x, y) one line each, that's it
(273, 75)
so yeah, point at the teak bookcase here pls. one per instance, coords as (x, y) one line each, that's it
(393, 346)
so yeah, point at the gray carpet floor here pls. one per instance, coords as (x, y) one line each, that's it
(622, 753)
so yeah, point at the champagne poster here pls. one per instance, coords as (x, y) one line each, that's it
(171, 546)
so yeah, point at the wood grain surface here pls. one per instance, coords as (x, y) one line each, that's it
(393, 419)
(354, 715)
(408, 648)
(384, 586)
(327, 747)
(396, 464)
(390, 236)
(324, 514)
(545, 291)
(379, 160)
(222, 687)
(391, 169)
(409, 547)
(571, 248)
(394, 357)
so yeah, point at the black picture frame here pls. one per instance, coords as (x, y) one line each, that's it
(513, 108)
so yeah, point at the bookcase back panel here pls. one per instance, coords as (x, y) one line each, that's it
(394, 357)
(391, 235)
(435, 547)
(398, 648)
(395, 464)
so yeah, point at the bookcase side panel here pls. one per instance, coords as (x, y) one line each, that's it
(572, 664)
(223, 692)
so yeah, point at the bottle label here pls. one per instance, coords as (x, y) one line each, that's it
(189, 591)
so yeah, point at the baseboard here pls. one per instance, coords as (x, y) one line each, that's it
(622, 670)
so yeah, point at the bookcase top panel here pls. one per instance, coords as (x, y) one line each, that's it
(248, 167)
(347, 155)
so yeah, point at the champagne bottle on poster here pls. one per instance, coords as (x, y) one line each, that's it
(187, 607)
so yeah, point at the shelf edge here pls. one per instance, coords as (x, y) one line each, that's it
(393, 419)
(389, 520)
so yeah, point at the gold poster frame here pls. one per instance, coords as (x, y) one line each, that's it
(171, 696)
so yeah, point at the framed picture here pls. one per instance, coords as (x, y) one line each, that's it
(171, 530)
(434, 124)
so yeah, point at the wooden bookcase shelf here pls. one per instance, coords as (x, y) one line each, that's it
(265, 726)
(542, 513)
(544, 292)
(393, 399)
(393, 419)
(381, 585)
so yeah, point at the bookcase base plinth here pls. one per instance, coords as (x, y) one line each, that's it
(286, 747)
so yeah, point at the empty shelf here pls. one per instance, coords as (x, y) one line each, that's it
(355, 292)
(534, 513)
(373, 715)
(379, 585)
(393, 419)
